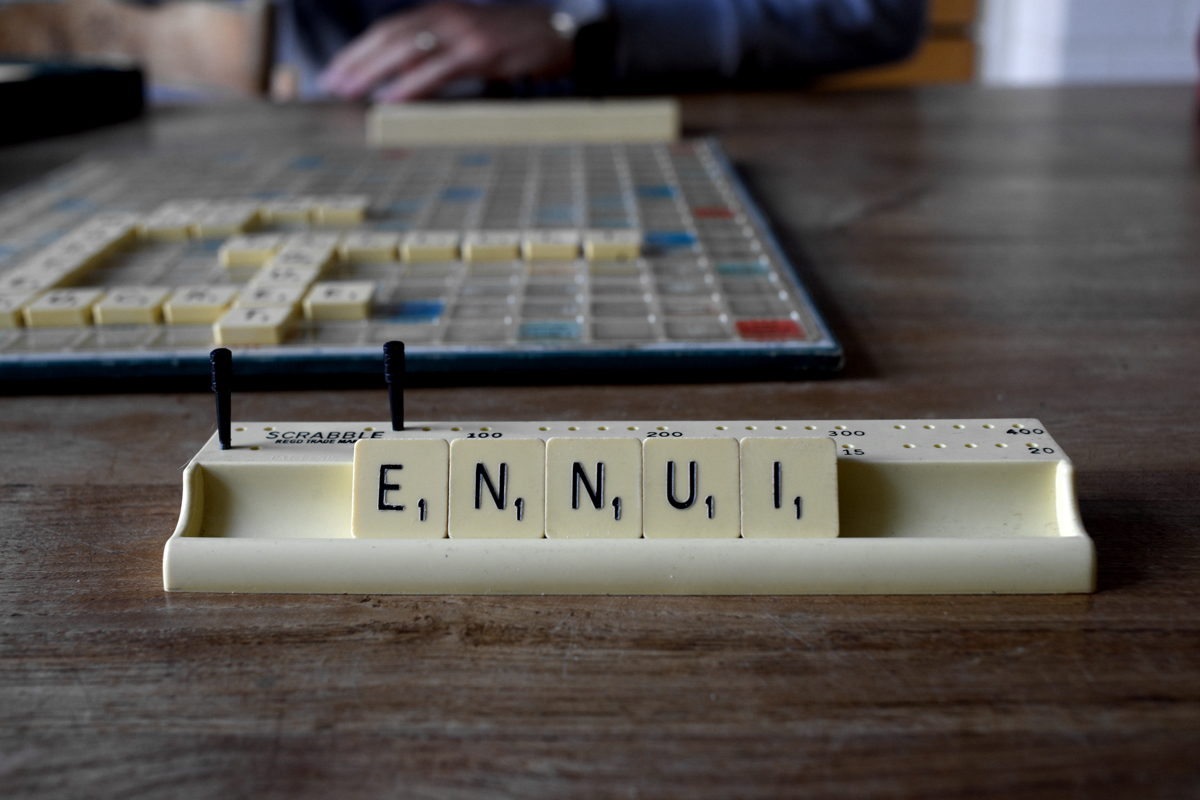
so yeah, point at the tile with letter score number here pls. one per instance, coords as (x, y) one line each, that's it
(254, 325)
(691, 488)
(367, 246)
(198, 305)
(430, 246)
(550, 245)
(593, 488)
(491, 246)
(11, 306)
(400, 489)
(131, 305)
(497, 489)
(789, 488)
(250, 251)
(62, 308)
(612, 245)
(339, 300)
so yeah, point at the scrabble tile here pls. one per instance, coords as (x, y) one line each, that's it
(77, 253)
(400, 489)
(303, 257)
(430, 246)
(227, 219)
(612, 245)
(491, 246)
(318, 239)
(690, 488)
(497, 489)
(131, 305)
(250, 251)
(339, 300)
(342, 209)
(173, 221)
(11, 306)
(593, 488)
(29, 278)
(116, 229)
(550, 245)
(61, 308)
(295, 210)
(789, 488)
(270, 297)
(254, 325)
(366, 246)
(276, 273)
(198, 305)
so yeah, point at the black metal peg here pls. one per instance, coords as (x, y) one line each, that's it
(222, 378)
(393, 373)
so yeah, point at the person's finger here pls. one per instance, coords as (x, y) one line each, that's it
(428, 77)
(384, 51)
(398, 28)
(377, 65)
(359, 49)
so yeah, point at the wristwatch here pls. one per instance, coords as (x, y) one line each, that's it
(589, 26)
(568, 17)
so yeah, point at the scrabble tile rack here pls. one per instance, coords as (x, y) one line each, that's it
(711, 291)
(924, 507)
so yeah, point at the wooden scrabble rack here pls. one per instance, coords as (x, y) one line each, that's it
(642, 507)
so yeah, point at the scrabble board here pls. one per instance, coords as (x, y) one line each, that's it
(632, 507)
(546, 258)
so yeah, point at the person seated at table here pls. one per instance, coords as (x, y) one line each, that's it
(398, 50)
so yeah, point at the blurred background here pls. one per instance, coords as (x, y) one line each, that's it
(193, 50)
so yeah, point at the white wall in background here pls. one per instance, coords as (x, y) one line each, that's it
(1047, 42)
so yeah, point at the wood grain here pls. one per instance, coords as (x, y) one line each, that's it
(980, 252)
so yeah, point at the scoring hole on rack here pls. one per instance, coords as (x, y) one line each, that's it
(543, 428)
(899, 427)
(810, 427)
(662, 427)
(722, 428)
(960, 427)
(239, 429)
(839, 427)
(989, 427)
(268, 428)
(254, 447)
(929, 427)
(632, 428)
(572, 427)
(751, 427)
(910, 446)
(781, 427)
(426, 429)
(940, 446)
(970, 445)
(602, 428)
(456, 429)
(1001, 444)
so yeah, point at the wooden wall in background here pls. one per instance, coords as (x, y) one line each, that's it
(947, 55)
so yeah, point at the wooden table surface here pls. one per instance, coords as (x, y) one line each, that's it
(981, 253)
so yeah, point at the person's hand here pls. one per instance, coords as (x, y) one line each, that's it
(413, 54)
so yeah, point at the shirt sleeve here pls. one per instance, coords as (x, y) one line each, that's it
(753, 41)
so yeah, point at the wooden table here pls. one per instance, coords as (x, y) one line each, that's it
(980, 253)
